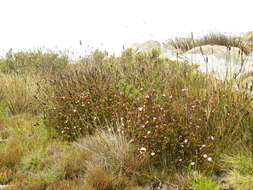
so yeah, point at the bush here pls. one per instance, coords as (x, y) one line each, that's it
(168, 109)
(33, 61)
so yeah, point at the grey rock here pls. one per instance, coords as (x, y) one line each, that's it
(146, 46)
(224, 63)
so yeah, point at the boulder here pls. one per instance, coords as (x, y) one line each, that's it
(146, 46)
(223, 62)
(167, 51)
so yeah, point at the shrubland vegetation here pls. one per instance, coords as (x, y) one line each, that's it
(120, 123)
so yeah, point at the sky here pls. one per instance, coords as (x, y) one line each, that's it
(110, 24)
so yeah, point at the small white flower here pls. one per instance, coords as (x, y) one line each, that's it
(152, 153)
(154, 118)
(140, 108)
(142, 149)
(203, 145)
(186, 140)
(143, 126)
(212, 138)
(180, 160)
(146, 96)
(149, 132)
(192, 163)
(205, 155)
(209, 159)
(74, 111)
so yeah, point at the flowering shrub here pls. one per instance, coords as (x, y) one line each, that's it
(175, 116)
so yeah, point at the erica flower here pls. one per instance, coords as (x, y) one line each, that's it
(140, 108)
(192, 163)
(142, 149)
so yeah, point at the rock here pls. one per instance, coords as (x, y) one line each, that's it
(224, 63)
(167, 51)
(146, 46)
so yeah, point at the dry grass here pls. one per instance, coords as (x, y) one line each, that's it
(100, 179)
(185, 44)
(112, 152)
(18, 93)
(65, 185)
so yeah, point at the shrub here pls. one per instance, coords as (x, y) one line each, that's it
(33, 61)
(168, 109)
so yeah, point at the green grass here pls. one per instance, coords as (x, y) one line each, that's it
(200, 182)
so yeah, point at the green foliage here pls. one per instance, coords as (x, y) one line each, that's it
(25, 62)
(200, 182)
(239, 168)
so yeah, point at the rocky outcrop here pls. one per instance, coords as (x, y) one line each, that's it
(167, 51)
(146, 46)
(223, 62)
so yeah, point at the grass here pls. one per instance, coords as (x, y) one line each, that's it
(238, 166)
(185, 44)
(120, 123)
(200, 182)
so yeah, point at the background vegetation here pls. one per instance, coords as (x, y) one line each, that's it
(130, 122)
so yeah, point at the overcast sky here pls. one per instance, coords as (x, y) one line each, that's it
(110, 24)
